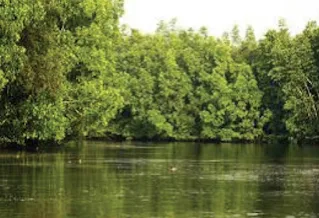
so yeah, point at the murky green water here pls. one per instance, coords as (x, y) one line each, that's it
(104, 180)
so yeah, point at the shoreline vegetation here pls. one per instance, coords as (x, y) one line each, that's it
(68, 69)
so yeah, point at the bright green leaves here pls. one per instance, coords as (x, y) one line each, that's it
(300, 86)
(163, 128)
(287, 74)
(95, 88)
(185, 85)
(271, 59)
(14, 16)
(233, 108)
(67, 70)
(43, 118)
(91, 106)
(57, 62)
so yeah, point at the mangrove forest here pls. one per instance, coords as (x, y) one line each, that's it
(70, 69)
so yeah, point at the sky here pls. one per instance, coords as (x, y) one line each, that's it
(221, 15)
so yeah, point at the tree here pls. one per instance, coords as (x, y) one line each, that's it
(45, 44)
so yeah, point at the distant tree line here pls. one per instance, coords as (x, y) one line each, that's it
(68, 69)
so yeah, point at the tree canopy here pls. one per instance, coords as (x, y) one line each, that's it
(68, 69)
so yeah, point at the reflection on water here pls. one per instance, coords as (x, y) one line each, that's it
(96, 179)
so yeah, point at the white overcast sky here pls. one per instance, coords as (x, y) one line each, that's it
(221, 15)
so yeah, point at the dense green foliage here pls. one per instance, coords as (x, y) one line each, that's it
(57, 68)
(185, 85)
(67, 69)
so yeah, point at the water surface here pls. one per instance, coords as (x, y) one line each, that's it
(98, 179)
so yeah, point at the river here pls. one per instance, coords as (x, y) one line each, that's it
(108, 180)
